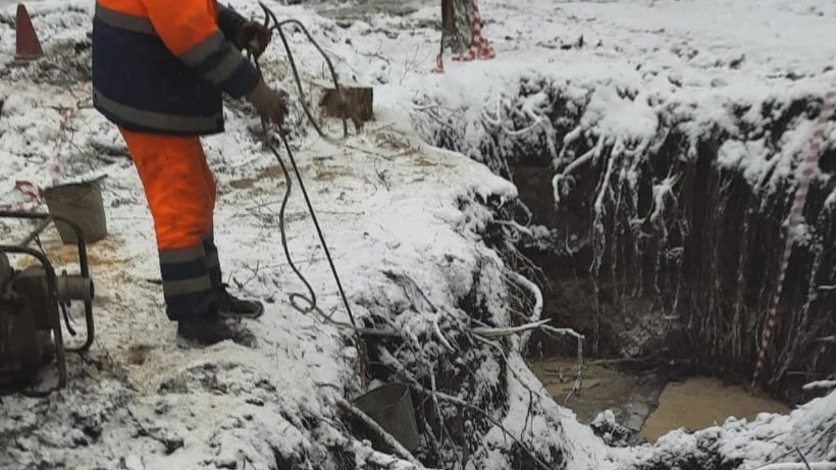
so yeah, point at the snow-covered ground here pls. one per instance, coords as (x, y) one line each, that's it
(386, 202)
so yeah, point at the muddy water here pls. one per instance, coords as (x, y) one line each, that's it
(645, 403)
(701, 402)
(630, 397)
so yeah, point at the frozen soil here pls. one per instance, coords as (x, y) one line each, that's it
(418, 235)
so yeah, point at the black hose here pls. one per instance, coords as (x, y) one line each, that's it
(294, 297)
(277, 25)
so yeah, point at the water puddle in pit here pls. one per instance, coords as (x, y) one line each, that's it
(701, 402)
(645, 402)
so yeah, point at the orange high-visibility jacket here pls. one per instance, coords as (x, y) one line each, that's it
(162, 65)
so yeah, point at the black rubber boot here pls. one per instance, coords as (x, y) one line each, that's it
(230, 306)
(209, 331)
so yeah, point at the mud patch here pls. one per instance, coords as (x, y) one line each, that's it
(363, 10)
(645, 404)
(630, 397)
(105, 253)
(701, 402)
(324, 172)
(273, 171)
(138, 354)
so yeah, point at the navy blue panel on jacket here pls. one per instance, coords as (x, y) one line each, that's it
(229, 21)
(140, 85)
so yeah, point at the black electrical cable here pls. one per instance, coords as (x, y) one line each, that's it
(294, 297)
(277, 25)
(311, 300)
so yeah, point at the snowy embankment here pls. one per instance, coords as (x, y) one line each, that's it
(673, 134)
(413, 231)
(399, 217)
(670, 134)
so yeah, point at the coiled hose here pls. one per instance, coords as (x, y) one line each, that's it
(296, 298)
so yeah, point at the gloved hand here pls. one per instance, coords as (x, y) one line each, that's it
(253, 36)
(270, 105)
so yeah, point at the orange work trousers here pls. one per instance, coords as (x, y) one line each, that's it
(181, 192)
(179, 186)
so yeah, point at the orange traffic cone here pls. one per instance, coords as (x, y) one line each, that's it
(28, 44)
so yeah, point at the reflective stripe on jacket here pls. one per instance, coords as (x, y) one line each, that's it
(162, 65)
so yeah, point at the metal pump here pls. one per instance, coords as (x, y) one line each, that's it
(30, 304)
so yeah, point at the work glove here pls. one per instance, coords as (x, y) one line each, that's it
(253, 36)
(269, 104)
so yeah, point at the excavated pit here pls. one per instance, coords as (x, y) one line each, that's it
(683, 310)
(663, 257)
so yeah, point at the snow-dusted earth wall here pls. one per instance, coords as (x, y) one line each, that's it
(405, 223)
(421, 238)
(664, 159)
(681, 202)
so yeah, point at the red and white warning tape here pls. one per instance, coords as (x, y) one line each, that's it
(480, 48)
(30, 194)
(28, 189)
(439, 63)
(805, 174)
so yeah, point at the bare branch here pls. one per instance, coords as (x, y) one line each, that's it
(803, 459)
(440, 335)
(507, 331)
(825, 384)
(514, 225)
(496, 423)
(563, 331)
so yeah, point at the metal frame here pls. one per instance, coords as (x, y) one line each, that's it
(52, 290)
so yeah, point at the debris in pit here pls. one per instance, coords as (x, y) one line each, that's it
(629, 398)
(607, 428)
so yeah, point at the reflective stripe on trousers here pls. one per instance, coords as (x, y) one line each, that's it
(181, 193)
(213, 263)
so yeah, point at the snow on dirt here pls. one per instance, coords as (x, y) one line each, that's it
(385, 200)
(692, 60)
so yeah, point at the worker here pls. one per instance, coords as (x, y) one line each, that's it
(160, 68)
